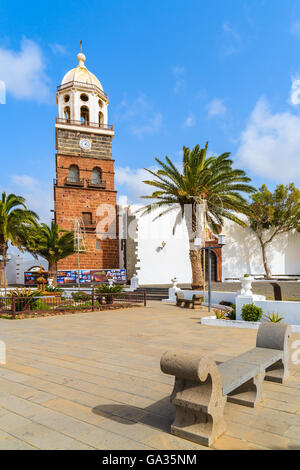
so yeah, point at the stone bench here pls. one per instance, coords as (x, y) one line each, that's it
(180, 299)
(194, 303)
(202, 386)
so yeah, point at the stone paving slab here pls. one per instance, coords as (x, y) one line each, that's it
(93, 381)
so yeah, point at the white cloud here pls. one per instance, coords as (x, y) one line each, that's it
(231, 40)
(295, 92)
(227, 28)
(25, 181)
(190, 120)
(58, 48)
(142, 119)
(38, 195)
(216, 107)
(23, 72)
(131, 182)
(270, 144)
(179, 75)
(295, 28)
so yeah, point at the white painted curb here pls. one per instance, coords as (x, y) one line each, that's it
(213, 321)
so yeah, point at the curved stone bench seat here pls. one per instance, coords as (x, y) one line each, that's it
(194, 303)
(202, 386)
(197, 397)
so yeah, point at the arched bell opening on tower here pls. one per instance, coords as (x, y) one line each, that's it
(96, 176)
(67, 113)
(73, 174)
(101, 118)
(96, 179)
(84, 115)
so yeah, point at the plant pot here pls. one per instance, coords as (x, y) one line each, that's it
(109, 299)
(246, 285)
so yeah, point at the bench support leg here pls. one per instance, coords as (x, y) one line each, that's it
(278, 372)
(249, 393)
(199, 412)
(275, 336)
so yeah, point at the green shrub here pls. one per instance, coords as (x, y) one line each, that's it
(38, 304)
(25, 298)
(273, 317)
(251, 313)
(220, 314)
(105, 289)
(52, 289)
(231, 314)
(81, 296)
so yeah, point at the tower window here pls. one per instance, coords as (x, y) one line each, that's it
(100, 104)
(84, 115)
(101, 118)
(96, 176)
(87, 218)
(67, 113)
(84, 97)
(66, 98)
(98, 245)
(73, 174)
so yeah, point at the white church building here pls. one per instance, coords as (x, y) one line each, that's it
(156, 255)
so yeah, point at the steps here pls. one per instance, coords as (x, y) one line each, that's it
(155, 293)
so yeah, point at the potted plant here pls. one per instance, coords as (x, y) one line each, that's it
(246, 282)
(106, 292)
(24, 298)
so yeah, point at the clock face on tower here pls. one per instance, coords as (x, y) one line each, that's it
(85, 144)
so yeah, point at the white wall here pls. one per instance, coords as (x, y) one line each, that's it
(241, 254)
(159, 265)
(19, 264)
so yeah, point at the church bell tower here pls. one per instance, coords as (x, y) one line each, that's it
(84, 166)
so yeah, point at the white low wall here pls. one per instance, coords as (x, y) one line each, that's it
(289, 310)
(216, 297)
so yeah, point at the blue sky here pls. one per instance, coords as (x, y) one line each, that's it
(177, 73)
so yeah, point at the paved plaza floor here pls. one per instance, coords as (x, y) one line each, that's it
(93, 381)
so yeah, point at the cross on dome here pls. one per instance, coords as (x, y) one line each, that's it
(81, 57)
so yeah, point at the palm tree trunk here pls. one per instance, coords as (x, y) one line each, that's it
(197, 272)
(53, 272)
(265, 260)
(190, 217)
(3, 252)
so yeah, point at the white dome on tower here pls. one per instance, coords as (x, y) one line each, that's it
(81, 74)
(81, 99)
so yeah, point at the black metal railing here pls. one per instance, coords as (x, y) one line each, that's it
(94, 184)
(15, 305)
(72, 181)
(72, 122)
(88, 86)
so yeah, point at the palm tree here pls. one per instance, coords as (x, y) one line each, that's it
(53, 244)
(14, 218)
(202, 178)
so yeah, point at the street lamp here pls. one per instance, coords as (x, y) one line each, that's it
(5, 260)
(222, 242)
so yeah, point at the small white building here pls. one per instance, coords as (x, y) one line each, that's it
(156, 255)
(19, 264)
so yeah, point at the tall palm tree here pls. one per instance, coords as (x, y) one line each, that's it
(53, 244)
(202, 178)
(14, 218)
